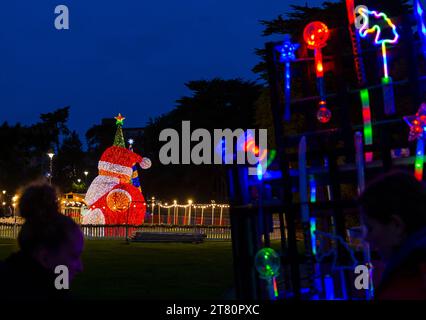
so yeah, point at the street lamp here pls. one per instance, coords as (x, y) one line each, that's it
(189, 211)
(78, 180)
(50, 154)
(152, 210)
(14, 201)
(85, 177)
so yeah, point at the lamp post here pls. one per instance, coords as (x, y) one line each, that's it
(213, 206)
(4, 203)
(152, 210)
(189, 211)
(202, 215)
(174, 211)
(168, 213)
(86, 173)
(50, 154)
(14, 200)
(159, 212)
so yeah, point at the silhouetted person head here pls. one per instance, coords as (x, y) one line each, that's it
(393, 208)
(47, 236)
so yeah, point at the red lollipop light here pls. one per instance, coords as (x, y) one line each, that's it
(323, 114)
(316, 35)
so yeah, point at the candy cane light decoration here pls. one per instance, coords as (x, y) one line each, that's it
(363, 22)
(316, 35)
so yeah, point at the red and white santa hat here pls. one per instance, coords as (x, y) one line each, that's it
(119, 160)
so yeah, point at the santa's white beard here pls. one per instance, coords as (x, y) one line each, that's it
(100, 187)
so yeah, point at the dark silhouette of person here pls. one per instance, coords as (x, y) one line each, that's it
(393, 209)
(46, 240)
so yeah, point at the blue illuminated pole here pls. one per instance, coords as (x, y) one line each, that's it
(329, 287)
(421, 27)
(303, 182)
(359, 159)
(313, 234)
(287, 53)
(420, 158)
(287, 89)
(360, 165)
(308, 224)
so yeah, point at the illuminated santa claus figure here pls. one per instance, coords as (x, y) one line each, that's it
(111, 197)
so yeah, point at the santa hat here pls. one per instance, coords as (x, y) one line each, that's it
(119, 160)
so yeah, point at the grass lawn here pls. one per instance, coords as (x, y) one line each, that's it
(115, 270)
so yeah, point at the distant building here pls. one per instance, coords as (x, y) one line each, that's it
(72, 205)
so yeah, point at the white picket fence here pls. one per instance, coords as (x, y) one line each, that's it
(11, 230)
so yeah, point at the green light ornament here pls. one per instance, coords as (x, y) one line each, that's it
(268, 263)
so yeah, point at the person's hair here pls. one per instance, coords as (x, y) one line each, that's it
(396, 193)
(44, 226)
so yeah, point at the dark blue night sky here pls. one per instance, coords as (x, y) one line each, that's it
(128, 56)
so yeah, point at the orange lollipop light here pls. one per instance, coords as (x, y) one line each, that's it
(316, 35)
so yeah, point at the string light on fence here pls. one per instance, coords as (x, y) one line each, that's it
(191, 204)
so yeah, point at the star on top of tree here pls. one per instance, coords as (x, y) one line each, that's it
(119, 119)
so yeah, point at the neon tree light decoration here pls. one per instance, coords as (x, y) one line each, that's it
(316, 35)
(267, 263)
(421, 27)
(365, 30)
(360, 71)
(417, 125)
(287, 55)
